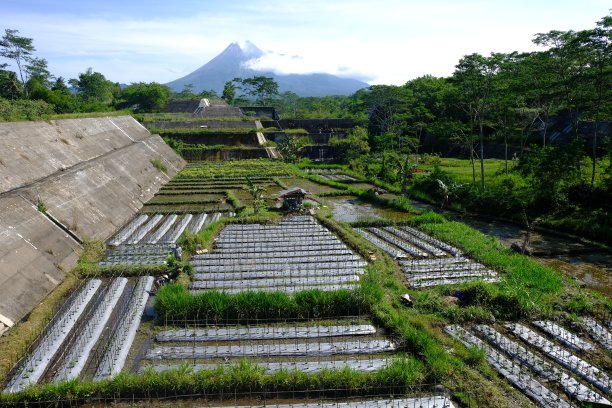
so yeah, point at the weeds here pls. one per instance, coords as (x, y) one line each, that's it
(40, 206)
(157, 163)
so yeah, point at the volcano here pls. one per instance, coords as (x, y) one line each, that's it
(233, 63)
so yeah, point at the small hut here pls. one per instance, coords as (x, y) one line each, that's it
(292, 198)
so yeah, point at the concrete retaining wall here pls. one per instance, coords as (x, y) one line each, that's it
(211, 139)
(107, 176)
(34, 257)
(95, 199)
(225, 154)
(30, 151)
(210, 124)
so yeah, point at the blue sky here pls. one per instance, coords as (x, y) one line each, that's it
(382, 41)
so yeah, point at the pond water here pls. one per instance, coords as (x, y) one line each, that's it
(351, 209)
(587, 263)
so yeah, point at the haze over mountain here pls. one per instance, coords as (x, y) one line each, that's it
(235, 61)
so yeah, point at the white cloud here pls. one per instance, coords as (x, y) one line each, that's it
(317, 62)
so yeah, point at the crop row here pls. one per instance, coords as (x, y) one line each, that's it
(553, 364)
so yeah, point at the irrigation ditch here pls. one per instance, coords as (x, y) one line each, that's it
(303, 310)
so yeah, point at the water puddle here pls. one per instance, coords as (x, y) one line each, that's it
(351, 209)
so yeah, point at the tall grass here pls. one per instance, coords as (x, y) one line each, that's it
(175, 304)
(241, 379)
(527, 288)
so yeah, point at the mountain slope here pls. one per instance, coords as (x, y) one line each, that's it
(230, 64)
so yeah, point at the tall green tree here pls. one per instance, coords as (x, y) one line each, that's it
(474, 76)
(18, 49)
(186, 92)
(38, 68)
(10, 86)
(61, 97)
(262, 88)
(147, 96)
(94, 90)
(597, 43)
(387, 109)
(351, 147)
(429, 102)
(229, 92)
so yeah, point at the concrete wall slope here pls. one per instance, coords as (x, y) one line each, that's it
(106, 178)
(34, 257)
(31, 151)
(96, 199)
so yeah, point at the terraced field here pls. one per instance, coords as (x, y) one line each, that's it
(551, 364)
(259, 319)
(90, 335)
(295, 255)
(148, 240)
(424, 260)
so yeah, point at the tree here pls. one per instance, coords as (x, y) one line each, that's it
(257, 193)
(261, 87)
(37, 68)
(354, 145)
(387, 108)
(404, 168)
(566, 65)
(210, 94)
(462, 136)
(289, 147)
(229, 92)
(186, 93)
(17, 48)
(429, 102)
(61, 97)
(94, 90)
(474, 76)
(598, 77)
(10, 87)
(148, 97)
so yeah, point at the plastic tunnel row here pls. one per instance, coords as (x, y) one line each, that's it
(264, 333)
(424, 260)
(517, 363)
(367, 365)
(161, 228)
(259, 350)
(279, 274)
(266, 258)
(86, 328)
